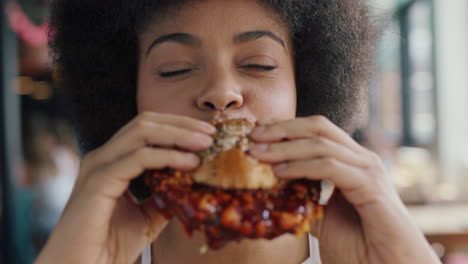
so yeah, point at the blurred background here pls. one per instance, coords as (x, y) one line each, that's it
(418, 122)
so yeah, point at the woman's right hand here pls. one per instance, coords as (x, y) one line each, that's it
(100, 224)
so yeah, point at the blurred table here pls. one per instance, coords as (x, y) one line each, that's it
(445, 224)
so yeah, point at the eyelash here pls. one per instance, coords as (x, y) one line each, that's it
(170, 74)
(260, 67)
(173, 73)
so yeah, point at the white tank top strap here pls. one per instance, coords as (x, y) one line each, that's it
(314, 253)
(146, 255)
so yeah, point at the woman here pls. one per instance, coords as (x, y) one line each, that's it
(163, 69)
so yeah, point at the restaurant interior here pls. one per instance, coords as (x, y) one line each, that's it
(417, 122)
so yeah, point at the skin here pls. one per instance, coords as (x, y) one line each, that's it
(365, 221)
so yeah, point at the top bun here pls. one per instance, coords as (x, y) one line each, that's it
(227, 165)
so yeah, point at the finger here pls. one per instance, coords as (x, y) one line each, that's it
(111, 180)
(344, 176)
(179, 121)
(151, 134)
(310, 148)
(267, 121)
(360, 186)
(303, 128)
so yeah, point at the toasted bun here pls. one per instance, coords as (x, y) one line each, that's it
(227, 164)
(234, 169)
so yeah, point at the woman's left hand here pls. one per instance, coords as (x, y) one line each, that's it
(365, 221)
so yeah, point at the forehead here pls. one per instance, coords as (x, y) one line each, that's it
(218, 17)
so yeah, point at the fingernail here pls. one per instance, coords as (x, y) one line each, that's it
(209, 128)
(258, 131)
(206, 140)
(203, 139)
(259, 148)
(193, 159)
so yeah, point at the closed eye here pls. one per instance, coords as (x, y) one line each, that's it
(169, 74)
(259, 67)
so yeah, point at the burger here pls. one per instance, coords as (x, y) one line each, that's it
(232, 196)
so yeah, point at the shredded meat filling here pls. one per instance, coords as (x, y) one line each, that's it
(225, 215)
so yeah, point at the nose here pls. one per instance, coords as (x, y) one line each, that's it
(220, 96)
(220, 101)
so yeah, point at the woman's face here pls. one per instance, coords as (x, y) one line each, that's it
(217, 56)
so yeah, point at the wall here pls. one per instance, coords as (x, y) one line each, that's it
(451, 29)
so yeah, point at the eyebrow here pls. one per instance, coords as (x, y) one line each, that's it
(181, 38)
(190, 40)
(253, 35)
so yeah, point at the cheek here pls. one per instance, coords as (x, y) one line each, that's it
(276, 103)
(150, 98)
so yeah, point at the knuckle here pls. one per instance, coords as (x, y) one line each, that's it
(142, 154)
(146, 115)
(172, 136)
(319, 119)
(331, 167)
(272, 126)
(141, 124)
(277, 130)
(186, 119)
(317, 141)
(316, 144)
(277, 151)
(314, 125)
(141, 158)
(330, 162)
(374, 158)
(140, 117)
(145, 130)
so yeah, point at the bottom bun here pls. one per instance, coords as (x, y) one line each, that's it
(225, 215)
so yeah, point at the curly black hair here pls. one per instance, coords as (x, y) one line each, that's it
(95, 45)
